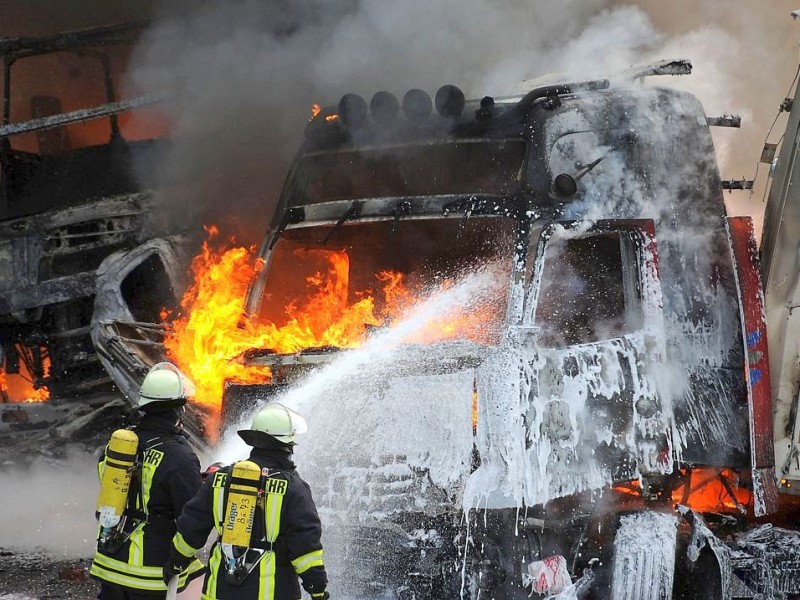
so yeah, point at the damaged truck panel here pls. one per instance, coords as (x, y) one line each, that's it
(47, 291)
(134, 289)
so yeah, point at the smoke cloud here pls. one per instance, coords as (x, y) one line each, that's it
(50, 506)
(244, 75)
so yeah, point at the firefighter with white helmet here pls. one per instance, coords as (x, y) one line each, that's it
(269, 532)
(147, 474)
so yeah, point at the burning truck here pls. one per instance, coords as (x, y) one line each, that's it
(535, 339)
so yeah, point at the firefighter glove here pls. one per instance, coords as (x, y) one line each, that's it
(174, 566)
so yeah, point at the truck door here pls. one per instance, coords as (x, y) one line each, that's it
(597, 409)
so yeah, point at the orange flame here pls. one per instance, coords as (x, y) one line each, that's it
(706, 493)
(18, 387)
(208, 339)
(316, 109)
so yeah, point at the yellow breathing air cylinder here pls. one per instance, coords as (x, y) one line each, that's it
(116, 479)
(241, 507)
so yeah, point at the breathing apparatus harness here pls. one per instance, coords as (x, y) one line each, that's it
(123, 484)
(247, 490)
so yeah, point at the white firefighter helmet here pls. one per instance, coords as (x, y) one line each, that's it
(165, 385)
(274, 420)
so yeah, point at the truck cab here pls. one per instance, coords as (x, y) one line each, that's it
(531, 332)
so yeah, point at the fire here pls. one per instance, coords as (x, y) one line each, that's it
(316, 109)
(19, 387)
(707, 491)
(208, 338)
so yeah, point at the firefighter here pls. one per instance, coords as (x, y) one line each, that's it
(164, 473)
(269, 532)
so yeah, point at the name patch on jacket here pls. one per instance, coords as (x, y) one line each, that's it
(153, 457)
(276, 486)
(219, 480)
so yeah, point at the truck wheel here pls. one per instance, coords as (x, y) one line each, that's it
(644, 557)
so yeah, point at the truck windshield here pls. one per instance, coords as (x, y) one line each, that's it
(589, 290)
(492, 167)
(371, 274)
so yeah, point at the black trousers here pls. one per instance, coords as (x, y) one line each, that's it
(113, 592)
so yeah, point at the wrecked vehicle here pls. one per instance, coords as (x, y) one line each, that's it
(580, 404)
(68, 199)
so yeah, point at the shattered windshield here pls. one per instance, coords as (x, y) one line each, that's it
(450, 276)
(461, 167)
(589, 290)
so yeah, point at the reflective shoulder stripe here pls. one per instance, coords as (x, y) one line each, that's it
(272, 514)
(305, 562)
(182, 546)
(150, 462)
(276, 490)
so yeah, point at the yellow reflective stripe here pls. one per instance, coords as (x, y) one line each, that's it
(273, 516)
(150, 462)
(182, 546)
(128, 580)
(154, 580)
(219, 508)
(266, 577)
(213, 571)
(305, 562)
(194, 567)
(118, 565)
(101, 466)
(136, 549)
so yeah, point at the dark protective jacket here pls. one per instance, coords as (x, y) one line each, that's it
(168, 478)
(286, 528)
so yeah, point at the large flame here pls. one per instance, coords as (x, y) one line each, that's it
(208, 338)
(212, 332)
